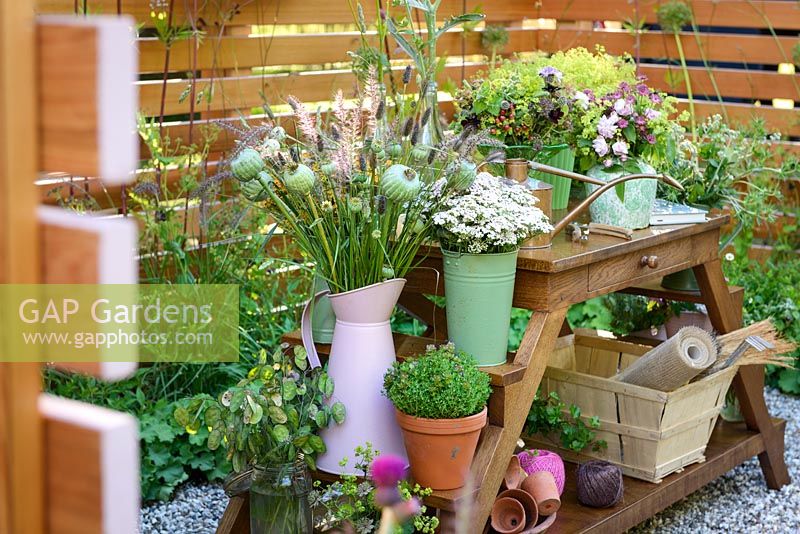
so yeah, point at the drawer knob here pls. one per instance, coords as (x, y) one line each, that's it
(649, 261)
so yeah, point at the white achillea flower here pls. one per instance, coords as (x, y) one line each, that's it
(491, 217)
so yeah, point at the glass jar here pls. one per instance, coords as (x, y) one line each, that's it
(279, 499)
(431, 134)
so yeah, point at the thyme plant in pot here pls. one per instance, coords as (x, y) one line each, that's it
(440, 401)
(530, 111)
(626, 131)
(480, 232)
(270, 424)
(357, 200)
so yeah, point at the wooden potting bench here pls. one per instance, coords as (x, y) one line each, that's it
(548, 282)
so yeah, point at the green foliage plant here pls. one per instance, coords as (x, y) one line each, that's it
(728, 168)
(272, 416)
(772, 291)
(598, 71)
(351, 500)
(441, 384)
(550, 418)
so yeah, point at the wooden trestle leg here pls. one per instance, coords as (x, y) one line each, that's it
(508, 409)
(749, 381)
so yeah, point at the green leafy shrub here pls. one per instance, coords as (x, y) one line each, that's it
(550, 418)
(270, 418)
(772, 290)
(596, 71)
(441, 384)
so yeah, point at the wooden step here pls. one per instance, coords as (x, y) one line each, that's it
(450, 500)
(730, 445)
(502, 375)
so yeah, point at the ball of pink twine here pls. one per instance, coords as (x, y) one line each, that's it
(533, 461)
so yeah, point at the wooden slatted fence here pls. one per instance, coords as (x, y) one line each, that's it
(248, 53)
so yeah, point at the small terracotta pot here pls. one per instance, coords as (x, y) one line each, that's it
(440, 451)
(514, 473)
(545, 522)
(528, 503)
(543, 487)
(508, 516)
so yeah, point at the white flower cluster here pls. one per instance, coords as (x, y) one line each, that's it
(490, 217)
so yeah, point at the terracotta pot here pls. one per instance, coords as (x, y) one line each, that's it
(441, 450)
(508, 516)
(514, 473)
(528, 503)
(543, 487)
(545, 522)
(688, 318)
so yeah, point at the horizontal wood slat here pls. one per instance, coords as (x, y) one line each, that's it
(245, 52)
(737, 13)
(87, 99)
(91, 456)
(715, 46)
(82, 249)
(286, 11)
(301, 49)
(245, 92)
(732, 83)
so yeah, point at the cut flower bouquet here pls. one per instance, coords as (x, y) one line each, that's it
(356, 198)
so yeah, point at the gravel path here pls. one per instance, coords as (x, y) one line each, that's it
(736, 502)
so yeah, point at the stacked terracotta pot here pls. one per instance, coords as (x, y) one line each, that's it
(528, 504)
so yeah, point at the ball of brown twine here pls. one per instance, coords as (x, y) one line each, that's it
(599, 484)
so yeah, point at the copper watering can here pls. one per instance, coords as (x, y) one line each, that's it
(517, 169)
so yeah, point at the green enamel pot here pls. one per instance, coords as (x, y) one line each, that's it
(322, 319)
(480, 291)
(561, 157)
(681, 281)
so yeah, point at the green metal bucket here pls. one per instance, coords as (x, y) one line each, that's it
(480, 291)
(322, 319)
(561, 157)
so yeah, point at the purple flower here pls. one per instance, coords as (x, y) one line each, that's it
(548, 71)
(642, 89)
(652, 114)
(622, 123)
(620, 148)
(623, 107)
(582, 99)
(607, 126)
(639, 120)
(600, 146)
(608, 163)
(387, 470)
(654, 97)
(651, 139)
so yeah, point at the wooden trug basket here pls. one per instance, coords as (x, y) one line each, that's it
(650, 433)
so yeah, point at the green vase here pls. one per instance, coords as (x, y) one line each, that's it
(562, 157)
(629, 204)
(480, 291)
(681, 281)
(323, 319)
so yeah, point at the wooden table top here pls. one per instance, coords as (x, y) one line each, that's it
(563, 254)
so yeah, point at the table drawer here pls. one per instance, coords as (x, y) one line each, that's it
(642, 264)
